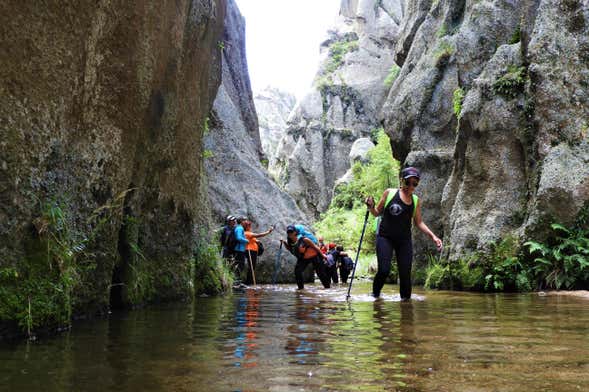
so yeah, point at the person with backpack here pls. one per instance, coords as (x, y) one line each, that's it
(332, 260)
(252, 249)
(345, 264)
(239, 247)
(227, 237)
(398, 207)
(307, 252)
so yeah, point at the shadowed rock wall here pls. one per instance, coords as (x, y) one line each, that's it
(102, 104)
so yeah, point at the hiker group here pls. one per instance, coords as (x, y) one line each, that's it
(240, 245)
(396, 212)
(326, 259)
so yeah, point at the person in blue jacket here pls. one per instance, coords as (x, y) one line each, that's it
(239, 249)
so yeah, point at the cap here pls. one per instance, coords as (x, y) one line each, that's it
(410, 172)
(290, 228)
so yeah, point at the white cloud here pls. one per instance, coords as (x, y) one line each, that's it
(282, 40)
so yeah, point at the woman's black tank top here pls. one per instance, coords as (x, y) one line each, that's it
(396, 219)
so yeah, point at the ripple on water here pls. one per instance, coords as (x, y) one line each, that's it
(276, 338)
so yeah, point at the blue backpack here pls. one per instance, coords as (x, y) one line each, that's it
(302, 231)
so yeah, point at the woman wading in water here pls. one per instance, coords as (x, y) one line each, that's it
(398, 208)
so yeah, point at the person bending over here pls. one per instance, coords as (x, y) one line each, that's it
(306, 253)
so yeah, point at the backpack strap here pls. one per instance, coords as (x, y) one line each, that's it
(415, 201)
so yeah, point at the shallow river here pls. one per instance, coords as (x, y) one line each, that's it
(274, 338)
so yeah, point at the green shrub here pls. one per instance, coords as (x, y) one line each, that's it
(457, 99)
(516, 36)
(37, 292)
(212, 274)
(392, 76)
(563, 261)
(512, 83)
(337, 53)
(342, 222)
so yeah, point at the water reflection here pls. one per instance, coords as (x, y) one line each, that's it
(246, 317)
(282, 340)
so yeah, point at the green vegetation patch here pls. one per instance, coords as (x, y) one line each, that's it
(342, 222)
(211, 274)
(40, 291)
(392, 75)
(457, 100)
(512, 83)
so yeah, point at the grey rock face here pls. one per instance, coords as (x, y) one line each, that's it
(273, 107)
(359, 150)
(343, 104)
(238, 183)
(99, 100)
(502, 167)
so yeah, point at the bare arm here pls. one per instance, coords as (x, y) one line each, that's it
(423, 227)
(377, 210)
(258, 235)
(310, 243)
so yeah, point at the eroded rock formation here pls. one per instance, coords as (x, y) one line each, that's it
(238, 182)
(343, 103)
(273, 107)
(515, 73)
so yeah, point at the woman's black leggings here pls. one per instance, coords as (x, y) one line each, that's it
(384, 255)
(319, 269)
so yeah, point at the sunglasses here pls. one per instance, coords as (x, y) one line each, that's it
(411, 183)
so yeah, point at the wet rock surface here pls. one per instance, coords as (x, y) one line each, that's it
(102, 107)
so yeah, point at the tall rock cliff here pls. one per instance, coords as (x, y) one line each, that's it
(492, 104)
(344, 102)
(273, 107)
(102, 107)
(238, 183)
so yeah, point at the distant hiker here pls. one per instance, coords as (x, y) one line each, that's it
(227, 237)
(306, 252)
(345, 264)
(322, 245)
(251, 249)
(239, 249)
(398, 209)
(332, 261)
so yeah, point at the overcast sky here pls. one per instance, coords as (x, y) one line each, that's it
(282, 40)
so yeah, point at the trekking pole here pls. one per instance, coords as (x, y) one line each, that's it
(277, 264)
(358, 253)
(249, 256)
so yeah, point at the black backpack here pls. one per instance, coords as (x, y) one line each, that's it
(260, 248)
(348, 263)
(231, 241)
